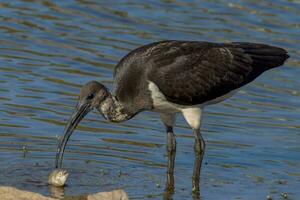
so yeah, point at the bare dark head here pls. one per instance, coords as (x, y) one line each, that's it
(93, 93)
(91, 96)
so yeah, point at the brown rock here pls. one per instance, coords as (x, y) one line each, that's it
(10, 193)
(113, 195)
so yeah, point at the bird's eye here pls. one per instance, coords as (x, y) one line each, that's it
(90, 96)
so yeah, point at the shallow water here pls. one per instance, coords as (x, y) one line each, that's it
(50, 48)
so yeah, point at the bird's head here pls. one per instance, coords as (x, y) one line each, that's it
(91, 96)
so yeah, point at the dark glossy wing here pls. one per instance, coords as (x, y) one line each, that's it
(191, 73)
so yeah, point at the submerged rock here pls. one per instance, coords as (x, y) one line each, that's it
(113, 195)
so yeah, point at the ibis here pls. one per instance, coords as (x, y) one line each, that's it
(174, 77)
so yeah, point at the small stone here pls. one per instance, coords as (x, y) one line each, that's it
(284, 195)
(119, 173)
(269, 197)
(115, 194)
(58, 177)
(37, 164)
(103, 172)
(282, 182)
(157, 185)
(25, 150)
(87, 161)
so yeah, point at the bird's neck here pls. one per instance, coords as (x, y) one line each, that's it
(113, 110)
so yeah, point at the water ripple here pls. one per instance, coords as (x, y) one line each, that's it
(50, 48)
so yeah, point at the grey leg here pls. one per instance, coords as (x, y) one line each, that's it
(168, 120)
(199, 148)
(171, 151)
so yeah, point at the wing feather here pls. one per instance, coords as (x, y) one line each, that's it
(191, 73)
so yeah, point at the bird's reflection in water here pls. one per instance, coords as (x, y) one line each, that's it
(196, 195)
(169, 195)
(56, 192)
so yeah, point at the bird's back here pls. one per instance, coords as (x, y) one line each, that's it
(191, 72)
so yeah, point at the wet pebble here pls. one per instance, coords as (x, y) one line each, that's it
(57, 137)
(25, 151)
(58, 177)
(103, 172)
(269, 197)
(87, 161)
(119, 173)
(284, 195)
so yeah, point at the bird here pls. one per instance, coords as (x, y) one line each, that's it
(173, 77)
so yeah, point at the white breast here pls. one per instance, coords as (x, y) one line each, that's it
(160, 103)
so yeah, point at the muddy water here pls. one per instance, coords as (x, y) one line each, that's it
(50, 48)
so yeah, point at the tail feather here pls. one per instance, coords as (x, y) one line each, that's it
(263, 55)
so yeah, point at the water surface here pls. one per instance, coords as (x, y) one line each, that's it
(50, 48)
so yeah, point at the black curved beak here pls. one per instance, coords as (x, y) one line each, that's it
(82, 109)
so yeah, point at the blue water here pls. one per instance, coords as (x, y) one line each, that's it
(50, 48)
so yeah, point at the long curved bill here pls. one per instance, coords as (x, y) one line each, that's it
(82, 110)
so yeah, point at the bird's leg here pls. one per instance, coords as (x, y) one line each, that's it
(171, 151)
(199, 148)
(193, 117)
(168, 120)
